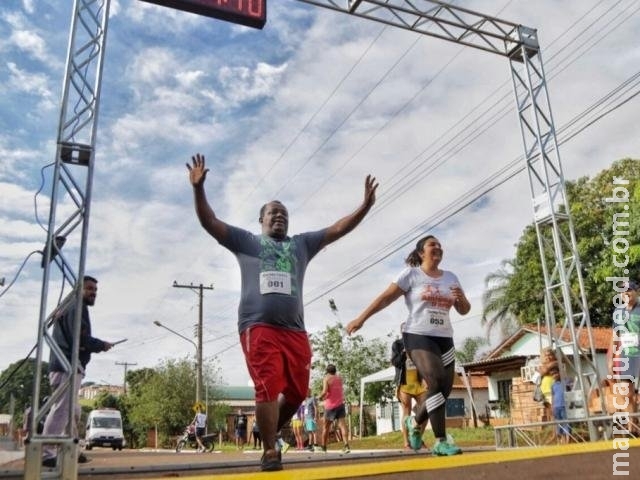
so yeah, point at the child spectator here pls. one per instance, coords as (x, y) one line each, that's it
(548, 363)
(558, 388)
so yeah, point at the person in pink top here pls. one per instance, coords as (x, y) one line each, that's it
(334, 409)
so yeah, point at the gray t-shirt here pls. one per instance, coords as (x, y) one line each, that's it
(272, 273)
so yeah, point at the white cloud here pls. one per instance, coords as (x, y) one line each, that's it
(244, 85)
(190, 79)
(37, 84)
(31, 43)
(27, 39)
(29, 6)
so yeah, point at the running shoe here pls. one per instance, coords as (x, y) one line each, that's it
(284, 446)
(445, 449)
(415, 437)
(271, 462)
(346, 448)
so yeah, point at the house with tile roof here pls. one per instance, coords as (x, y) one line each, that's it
(517, 357)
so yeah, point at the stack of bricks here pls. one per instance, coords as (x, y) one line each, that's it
(524, 409)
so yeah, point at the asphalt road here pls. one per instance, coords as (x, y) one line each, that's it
(589, 461)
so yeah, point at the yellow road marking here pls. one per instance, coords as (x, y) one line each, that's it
(418, 463)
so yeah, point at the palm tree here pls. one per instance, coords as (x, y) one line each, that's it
(498, 306)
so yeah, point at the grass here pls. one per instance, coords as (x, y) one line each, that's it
(464, 437)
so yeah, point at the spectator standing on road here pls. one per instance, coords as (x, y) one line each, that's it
(548, 364)
(271, 313)
(311, 419)
(26, 425)
(429, 294)
(410, 386)
(255, 433)
(200, 424)
(57, 421)
(334, 407)
(559, 387)
(624, 364)
(297, 424)
(240, 428)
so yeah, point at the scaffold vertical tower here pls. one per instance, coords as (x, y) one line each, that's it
(63, 269)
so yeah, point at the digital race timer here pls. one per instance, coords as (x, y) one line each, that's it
(251, 13)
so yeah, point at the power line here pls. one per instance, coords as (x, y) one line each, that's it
(315, 114)
(385, 75)
(461, 203)
(397, 189)
(431, 163)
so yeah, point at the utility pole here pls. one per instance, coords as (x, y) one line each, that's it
(126, 365)
(199, 289)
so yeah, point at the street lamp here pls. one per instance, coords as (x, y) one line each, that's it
(198, 362)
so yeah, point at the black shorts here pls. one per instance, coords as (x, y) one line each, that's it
(200, 431)
(441, 346)
(335, 413)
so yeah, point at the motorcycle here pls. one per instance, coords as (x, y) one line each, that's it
(188, 439)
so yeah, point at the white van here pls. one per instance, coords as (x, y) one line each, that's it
(104, 429)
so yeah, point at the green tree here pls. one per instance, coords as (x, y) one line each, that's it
(516, 292)
(469, 350)
(136, 379)
(106, 400)
(217, 416)
(354, 358)
(166, 400)
(17, 382)
(499, 308)
(164, 397)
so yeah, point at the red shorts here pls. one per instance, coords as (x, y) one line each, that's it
(279, 361)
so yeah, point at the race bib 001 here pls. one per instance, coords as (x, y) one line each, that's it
(275, 282)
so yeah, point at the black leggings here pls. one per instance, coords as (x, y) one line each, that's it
(434, 357)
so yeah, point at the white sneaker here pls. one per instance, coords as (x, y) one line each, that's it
(284, 446)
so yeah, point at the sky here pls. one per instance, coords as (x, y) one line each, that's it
(300, 111)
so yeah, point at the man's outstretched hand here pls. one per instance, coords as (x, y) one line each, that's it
(370, 187)
(197, 170)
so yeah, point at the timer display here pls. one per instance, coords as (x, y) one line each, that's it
(251, 13)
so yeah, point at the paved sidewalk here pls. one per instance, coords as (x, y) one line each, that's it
(7, 456)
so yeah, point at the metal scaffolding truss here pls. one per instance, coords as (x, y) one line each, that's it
(566, 304)
(566, 310)
(539, 434)
(71, 189)
(436, 19)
